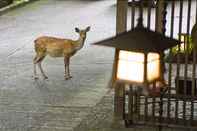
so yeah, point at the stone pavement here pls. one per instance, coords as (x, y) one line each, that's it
(54, 104)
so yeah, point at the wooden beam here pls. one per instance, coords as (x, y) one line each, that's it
(121, 16)
(121, 26)
(159, 16)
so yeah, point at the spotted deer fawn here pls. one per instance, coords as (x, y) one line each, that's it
(57, 47)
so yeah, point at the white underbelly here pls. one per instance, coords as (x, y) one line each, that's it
(55, 52)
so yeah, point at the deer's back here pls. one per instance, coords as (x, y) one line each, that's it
(55, 47)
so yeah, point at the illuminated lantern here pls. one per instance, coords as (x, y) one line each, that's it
(139, 55)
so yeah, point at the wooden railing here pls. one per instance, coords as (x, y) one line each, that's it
(178, 106)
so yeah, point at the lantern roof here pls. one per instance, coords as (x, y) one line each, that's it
(140, 39)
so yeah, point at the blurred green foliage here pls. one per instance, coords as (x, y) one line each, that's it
(5, 2)
(186, 46)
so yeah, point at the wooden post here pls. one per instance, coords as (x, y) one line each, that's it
(121, 26)
(160, 27)
(159, 16)
(121, 17)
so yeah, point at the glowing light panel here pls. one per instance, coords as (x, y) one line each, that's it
(130, 66)
(153, 67)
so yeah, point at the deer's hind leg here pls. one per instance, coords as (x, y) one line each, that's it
(41, 69)
(37, 60)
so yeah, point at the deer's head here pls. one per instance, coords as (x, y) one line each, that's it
(82, 32)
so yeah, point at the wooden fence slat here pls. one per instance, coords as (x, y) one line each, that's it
(194, 64)
(192, 112)
(178, 56)
(133, 15)
(149, 15)
(170, 64)
(153, 103)
(130, 103)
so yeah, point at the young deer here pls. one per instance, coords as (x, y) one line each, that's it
(58, 47)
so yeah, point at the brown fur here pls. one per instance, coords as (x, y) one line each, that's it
(57, 47)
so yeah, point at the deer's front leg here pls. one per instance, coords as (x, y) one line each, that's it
(42, 71)
(66, 66)
(35, 62)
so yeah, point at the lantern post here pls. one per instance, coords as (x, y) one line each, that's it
(138, 57)
(121, 26)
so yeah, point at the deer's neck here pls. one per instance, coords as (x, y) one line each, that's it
(80, 43)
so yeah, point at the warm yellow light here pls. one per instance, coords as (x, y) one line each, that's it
(182, 45)
(153, 67)
(182, 38)
(131, 66)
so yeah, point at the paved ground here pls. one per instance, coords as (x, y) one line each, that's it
(54, 104)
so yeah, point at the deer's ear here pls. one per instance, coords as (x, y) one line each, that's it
(88, 29)
(77, 30)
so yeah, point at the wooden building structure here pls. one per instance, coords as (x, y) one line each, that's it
(178, 106)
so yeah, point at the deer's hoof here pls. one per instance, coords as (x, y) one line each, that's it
(45, 77)
(36, 78)
(68, 77)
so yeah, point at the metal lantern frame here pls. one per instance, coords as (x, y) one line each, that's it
(145, 73)
(141, 40)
